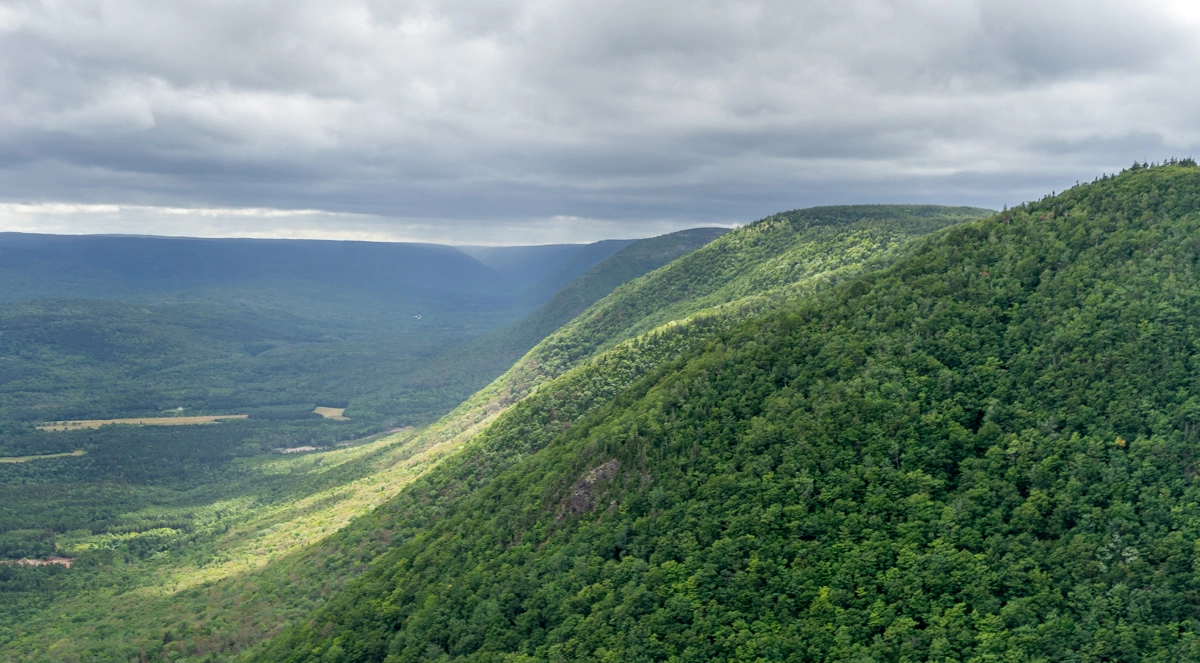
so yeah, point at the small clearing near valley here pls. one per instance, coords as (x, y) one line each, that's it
(144, 421)
(332, 412)
(26, 459)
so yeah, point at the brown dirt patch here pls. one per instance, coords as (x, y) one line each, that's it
(26, 459)
(143, 421)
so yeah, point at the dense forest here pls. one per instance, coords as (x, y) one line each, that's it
(982, 451)
(215, 356)
(107, 608)
(852, 433)
(225, 326)
(131, 503)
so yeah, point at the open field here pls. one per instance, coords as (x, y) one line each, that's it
(143, 421)
(25, 459)
(337, 413)
(49, 561)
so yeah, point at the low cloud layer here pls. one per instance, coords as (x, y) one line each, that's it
(519, 121)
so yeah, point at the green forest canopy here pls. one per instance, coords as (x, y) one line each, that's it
(101, 608)
(982, 452)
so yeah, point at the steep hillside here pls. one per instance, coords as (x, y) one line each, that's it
(630, 262)
(490, 433)
(709, 290)
(984, 451)
(258, 577)
(745, 271)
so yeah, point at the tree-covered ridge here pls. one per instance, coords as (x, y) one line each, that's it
(757, 265)
(236, 610)
(571, 365)
(984, 452)
(762, 259)
(493, 440)
(625, 265)
(818, 245)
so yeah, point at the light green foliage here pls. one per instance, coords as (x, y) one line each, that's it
(754, 268)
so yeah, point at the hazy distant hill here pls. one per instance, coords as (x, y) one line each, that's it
(216, 325)
(632, 261)
(547, 268)
(106, 267)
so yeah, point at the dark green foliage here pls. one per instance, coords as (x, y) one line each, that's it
(16, 544)
(985, 452)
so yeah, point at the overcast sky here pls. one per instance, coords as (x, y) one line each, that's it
(532, 121)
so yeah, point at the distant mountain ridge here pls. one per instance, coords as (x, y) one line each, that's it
(111, 266)
(549, 267)
(211, 324)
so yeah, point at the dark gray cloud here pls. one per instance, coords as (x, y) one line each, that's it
(537, 120)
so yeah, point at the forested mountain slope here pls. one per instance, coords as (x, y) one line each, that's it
(984, 451)
(632, 261)
(741, 272)
(557, 404)
(283, 585)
